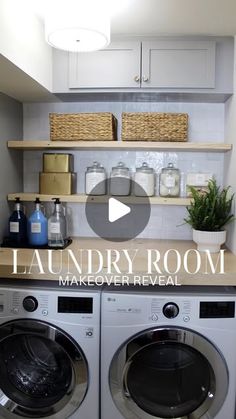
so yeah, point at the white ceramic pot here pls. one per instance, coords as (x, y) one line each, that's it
(209, 240)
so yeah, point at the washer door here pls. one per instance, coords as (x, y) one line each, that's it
(168, 373)
(43, 371)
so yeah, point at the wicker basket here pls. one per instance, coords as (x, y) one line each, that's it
(82, 126)
(152, 126)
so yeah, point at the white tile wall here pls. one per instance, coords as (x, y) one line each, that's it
(206, 121)
(206, 124)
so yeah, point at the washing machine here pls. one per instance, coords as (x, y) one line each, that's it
(168, 353)
(49, 353)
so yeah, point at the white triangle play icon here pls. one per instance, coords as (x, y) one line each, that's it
(117, 210)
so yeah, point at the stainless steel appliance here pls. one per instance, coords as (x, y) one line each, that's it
(49, 353)
(168, 353)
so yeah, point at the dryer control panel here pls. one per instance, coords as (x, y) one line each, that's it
(217, 309)
(148, 308)
(169, 309)
(152, 309)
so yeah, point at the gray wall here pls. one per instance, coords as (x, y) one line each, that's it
(11, 176)
(230, 158)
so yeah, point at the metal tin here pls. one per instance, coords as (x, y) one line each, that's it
(57, 183)
(58, 163)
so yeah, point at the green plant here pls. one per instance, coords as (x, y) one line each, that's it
(211, 210)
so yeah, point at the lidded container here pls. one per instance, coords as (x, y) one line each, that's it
(120, 180)
(170, 181)
(95, 180)
(144, 181)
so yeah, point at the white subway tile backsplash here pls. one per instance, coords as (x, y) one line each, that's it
(206, 120)
(206, 124)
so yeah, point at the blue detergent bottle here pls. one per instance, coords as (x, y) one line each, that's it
(37, 227)
(17, 225)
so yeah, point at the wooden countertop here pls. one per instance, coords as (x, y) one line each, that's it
(73, 263)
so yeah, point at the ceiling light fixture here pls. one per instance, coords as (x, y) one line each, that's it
(78, 25)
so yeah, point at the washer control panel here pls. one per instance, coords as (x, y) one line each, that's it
(65, 306)
(27, 303)
(30, 303)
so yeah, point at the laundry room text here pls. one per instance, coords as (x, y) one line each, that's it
(121, 262)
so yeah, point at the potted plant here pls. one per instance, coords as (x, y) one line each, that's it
(208, 213)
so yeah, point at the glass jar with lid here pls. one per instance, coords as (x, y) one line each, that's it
(120, 180)
(95, 180)
(144, 181)
(170, 181)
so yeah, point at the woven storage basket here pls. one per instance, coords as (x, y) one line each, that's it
(83, 126)
(153, 126)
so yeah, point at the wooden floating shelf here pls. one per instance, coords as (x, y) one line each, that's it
(119, 145)
(81, 199)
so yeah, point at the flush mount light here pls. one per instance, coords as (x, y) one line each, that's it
(77, 25)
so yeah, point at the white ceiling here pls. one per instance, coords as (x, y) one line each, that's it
(179, 17)
(132, 17)
(165, 17)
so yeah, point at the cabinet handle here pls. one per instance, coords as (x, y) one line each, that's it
(137, 79)
(145, 79)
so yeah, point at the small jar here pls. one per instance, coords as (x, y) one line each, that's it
(95, 180)
(170, 181)
(144, 179)
(120, 180)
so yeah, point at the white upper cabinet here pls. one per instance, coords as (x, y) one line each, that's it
(164, 66)
(178, 64)
(159, 64)
(117, 66)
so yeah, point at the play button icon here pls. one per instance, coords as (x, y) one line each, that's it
(117, 218)
(117, 210)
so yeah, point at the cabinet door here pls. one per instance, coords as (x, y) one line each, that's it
(178, 64)
(114, 67)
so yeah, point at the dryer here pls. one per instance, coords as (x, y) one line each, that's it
(168, 353)
(49, 353)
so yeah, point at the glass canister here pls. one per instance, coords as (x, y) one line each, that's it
(170, 181)
(95, 180)
(120, 180)
(144, 179)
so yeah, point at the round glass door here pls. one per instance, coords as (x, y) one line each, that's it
(43, 372)
(168, 380)
(168, 373)
(34, 370)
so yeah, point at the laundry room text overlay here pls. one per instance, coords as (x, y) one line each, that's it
(110, 265)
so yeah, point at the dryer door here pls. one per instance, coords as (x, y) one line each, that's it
(168, 373)
(43, 372)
